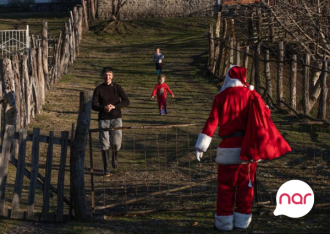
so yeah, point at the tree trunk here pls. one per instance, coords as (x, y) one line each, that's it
(293, 83)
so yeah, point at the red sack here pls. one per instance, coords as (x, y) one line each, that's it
(262, 140)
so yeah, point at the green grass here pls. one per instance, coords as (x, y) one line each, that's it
(129, 51)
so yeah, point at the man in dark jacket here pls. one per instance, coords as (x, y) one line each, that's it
(108, 99)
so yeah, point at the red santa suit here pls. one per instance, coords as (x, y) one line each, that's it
(232, 109)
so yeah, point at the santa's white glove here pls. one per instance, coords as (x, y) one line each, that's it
(199, 154)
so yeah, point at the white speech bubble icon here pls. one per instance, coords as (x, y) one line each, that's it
(294, 199)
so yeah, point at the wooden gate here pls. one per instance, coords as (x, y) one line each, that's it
(10, 207)
(14, 41)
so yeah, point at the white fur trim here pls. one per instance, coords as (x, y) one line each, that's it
(251, 87)
(242, 220)
(229, 156)
(224, 223)
(203, 142)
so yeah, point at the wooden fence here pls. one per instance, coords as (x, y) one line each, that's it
(26, 80)
(36, 179)
(226, 50)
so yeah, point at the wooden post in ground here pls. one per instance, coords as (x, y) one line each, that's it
(83, 3)
(4, 159)
(35, 84)
(70, 41)
(232, 30)
(61, 173)
(65, 50)
(217, 43)
(73, 35)
(225, 60)
(257, 67)
(76, 30)
(22, 136)
(78, 155)
(238, 54)
(280, 72)
(211, 47)
(34, 174)
(305, 99)
(246, 57)
(10, 116)
(27, 90)
(80, 28)
(231, 51)
(48, 176)
(18, 85)
(293, 82)
(92, 10)
(267, 75)
(45, 54)
(322, 113)
(41, 78)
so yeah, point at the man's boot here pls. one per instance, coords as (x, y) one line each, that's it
(106, 162)
(114, 158)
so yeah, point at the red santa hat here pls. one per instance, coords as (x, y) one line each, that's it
(235, 77)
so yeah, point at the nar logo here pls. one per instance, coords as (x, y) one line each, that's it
(294, 199)
(300, 197)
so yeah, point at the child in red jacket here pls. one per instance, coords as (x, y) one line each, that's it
(161, 89)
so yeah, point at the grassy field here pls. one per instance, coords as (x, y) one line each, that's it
(129, 49)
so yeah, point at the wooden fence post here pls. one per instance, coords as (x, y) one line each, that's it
(48, 176)
(211, 47)
(238, 54)
(92, 10)
(76, 30)
(246, 57)
(73, 35)
(225, 60)
(231, 51)
(19, 174)
(305, 99)
(35, 97)
(61, 172)
(83, 3)
(280, 72)
(41, 78)
(293, 82)
(34, 174)
(324, 91)
(267, 75)
(217, 43)
(65, 50)
(232, 30)
(78, 155)
(80, 28)
(18, 86)
(10, 116)
(26, 90)
(4, 159)
(257, 67)
(45, 53)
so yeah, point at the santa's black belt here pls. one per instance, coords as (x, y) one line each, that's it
(236, 134)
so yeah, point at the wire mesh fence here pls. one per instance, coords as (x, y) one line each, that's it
(158, 170)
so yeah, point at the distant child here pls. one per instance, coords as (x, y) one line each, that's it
(161, 89)
(158, 59)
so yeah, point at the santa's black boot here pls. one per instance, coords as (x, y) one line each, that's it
(106, 162)
(114, 158)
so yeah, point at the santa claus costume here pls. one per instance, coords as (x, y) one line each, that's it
(248, 135)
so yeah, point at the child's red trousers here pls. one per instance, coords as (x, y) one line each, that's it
(161, 102)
